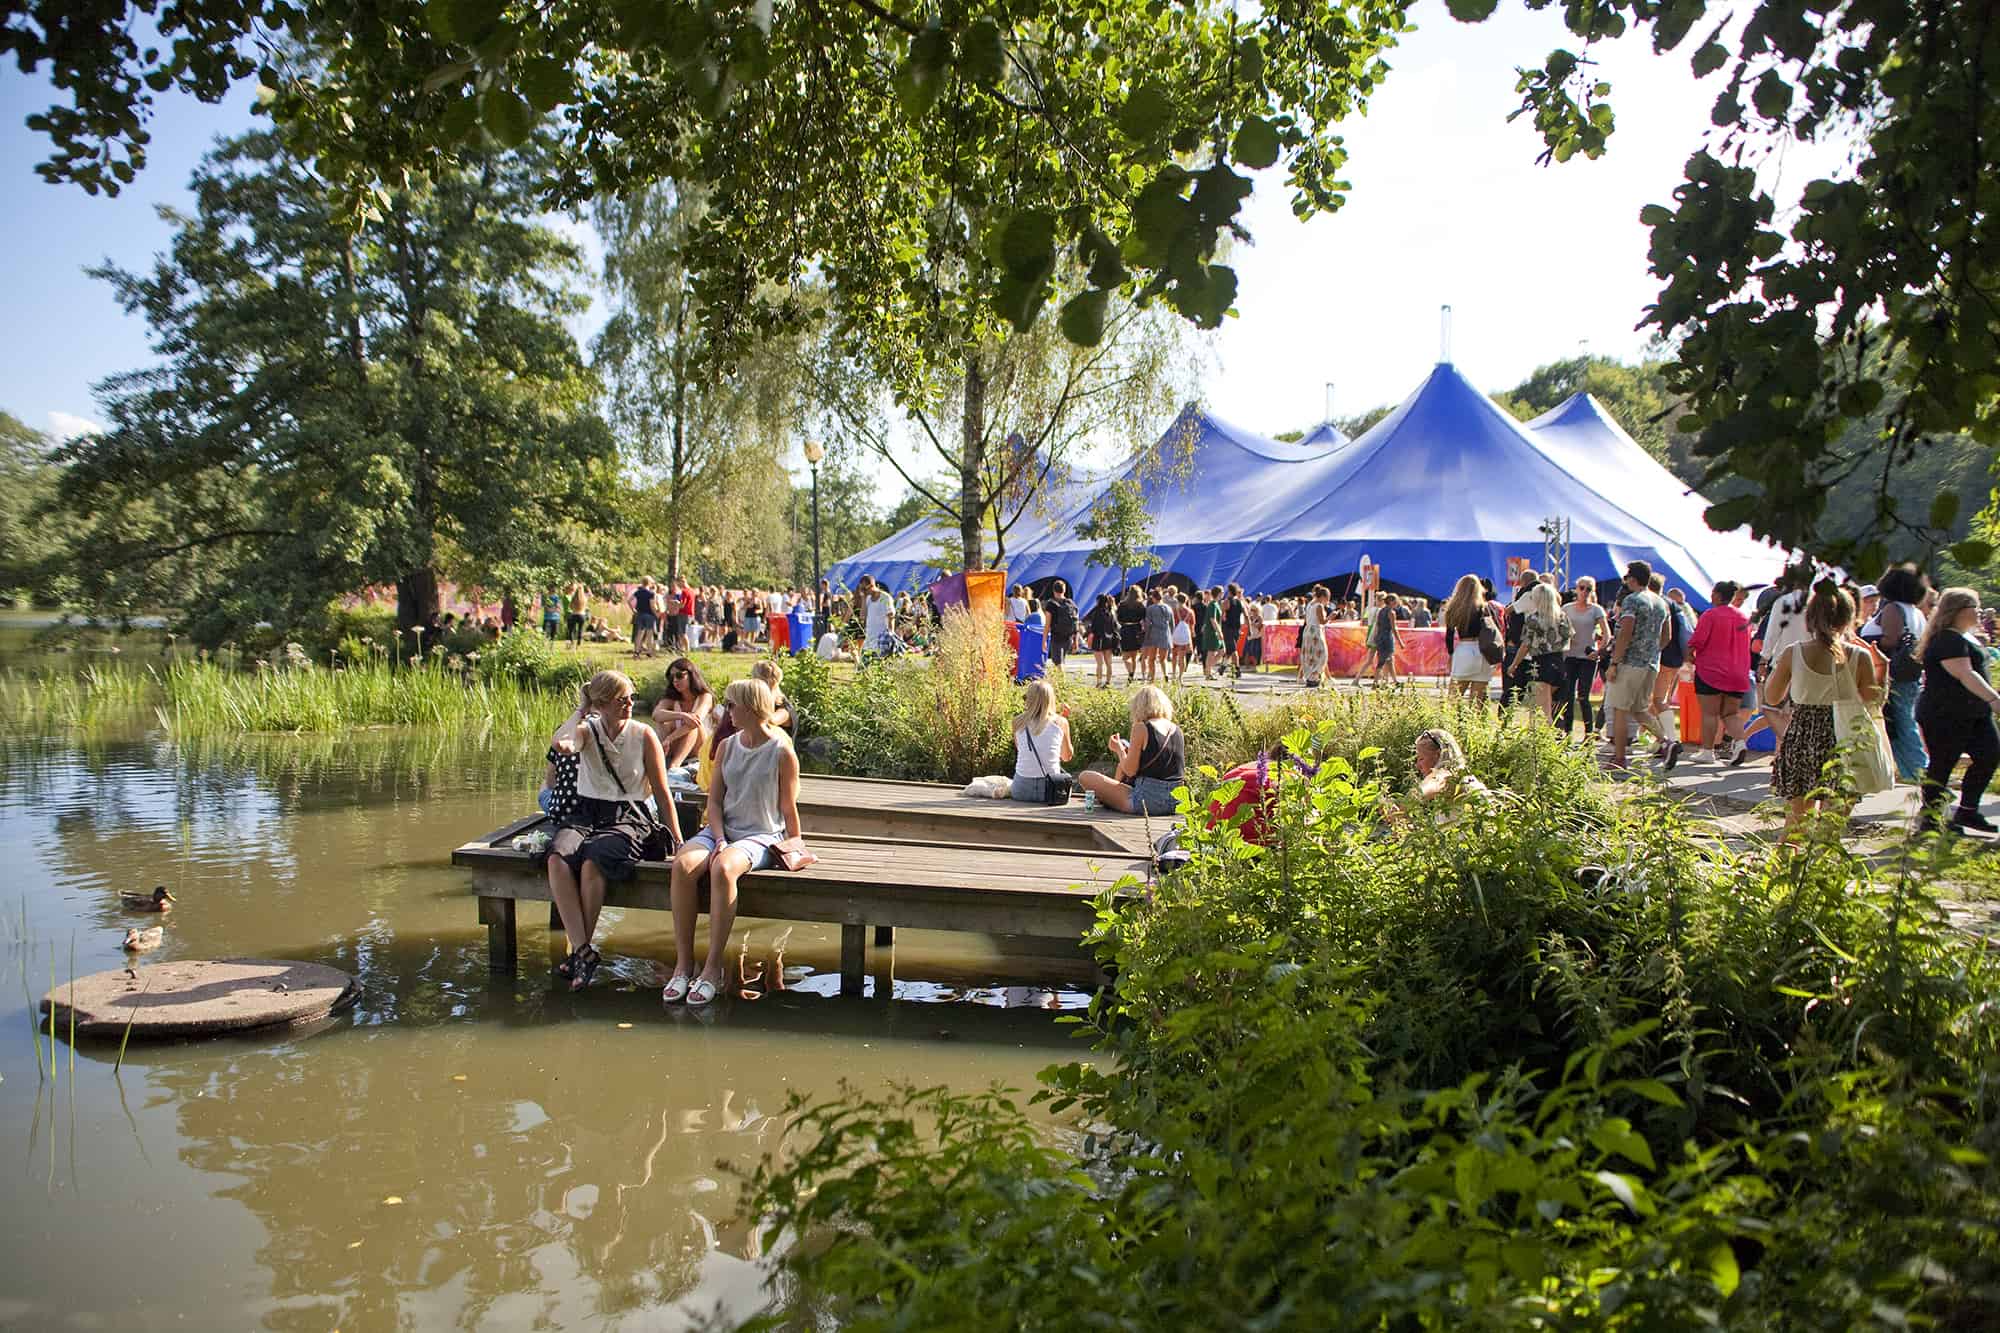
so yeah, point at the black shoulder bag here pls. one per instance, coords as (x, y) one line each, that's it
(663, 837)
(1055, 790)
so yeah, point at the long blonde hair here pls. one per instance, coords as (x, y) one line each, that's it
(1952, 603)
(1464, 603)
(1037, 702)
(1544, 605)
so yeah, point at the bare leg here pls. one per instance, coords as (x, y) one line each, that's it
(1711, 720)
(1548, 697)
(724, 869)
(590, 898)
(562, 887)
(1115, 795)
(690, 864)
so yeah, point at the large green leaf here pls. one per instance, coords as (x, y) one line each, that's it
(1256, 143)
(507, 116)
(1083, 318)
(1146, 113)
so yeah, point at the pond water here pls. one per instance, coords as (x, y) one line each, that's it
(457, 1150)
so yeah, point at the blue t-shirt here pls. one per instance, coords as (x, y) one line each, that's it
(1647, 611)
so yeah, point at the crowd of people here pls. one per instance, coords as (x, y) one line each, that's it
(679, 616)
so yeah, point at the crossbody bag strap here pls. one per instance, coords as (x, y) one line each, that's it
(604, 757)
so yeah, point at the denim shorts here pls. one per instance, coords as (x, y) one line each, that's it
(1154, 796)
(757, 846)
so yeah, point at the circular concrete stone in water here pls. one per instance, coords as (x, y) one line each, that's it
(195, 998)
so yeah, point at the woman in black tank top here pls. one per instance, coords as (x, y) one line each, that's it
(1151, 764)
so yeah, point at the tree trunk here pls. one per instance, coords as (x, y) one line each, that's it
(972, 465)
(677, 460)
(416, 598)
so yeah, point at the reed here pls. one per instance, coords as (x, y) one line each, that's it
(99, 695)
(130, 1018)
(203, 699)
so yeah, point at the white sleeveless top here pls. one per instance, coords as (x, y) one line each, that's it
(1819, 687)
(626, 755)
(750, 789)
(1045, 746)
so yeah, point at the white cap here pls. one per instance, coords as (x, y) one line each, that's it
(1869, 590)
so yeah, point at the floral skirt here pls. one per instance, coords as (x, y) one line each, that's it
(1809, 742)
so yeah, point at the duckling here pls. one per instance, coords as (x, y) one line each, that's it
(159, 900)
(138, 941)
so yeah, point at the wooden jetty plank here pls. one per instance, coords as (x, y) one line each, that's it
(891, 854)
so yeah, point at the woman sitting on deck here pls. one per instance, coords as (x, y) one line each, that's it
(604, 834)
(682, 713)
(1150, 765)
(1041, 742)
(753, 805)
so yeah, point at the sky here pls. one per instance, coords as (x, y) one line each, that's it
(1448, 207)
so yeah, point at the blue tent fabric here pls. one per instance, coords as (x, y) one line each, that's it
(1325, 433)
(1447, 484)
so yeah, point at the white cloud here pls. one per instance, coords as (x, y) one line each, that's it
(68, 427)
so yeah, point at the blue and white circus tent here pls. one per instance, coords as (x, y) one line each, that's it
(1447, 484)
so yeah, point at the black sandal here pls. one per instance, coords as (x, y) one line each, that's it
(584, 968)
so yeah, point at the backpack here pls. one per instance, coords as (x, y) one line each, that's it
(1674, 654)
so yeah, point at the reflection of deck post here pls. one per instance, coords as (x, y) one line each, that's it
(853, 956)
(885, 937)
(497, 915)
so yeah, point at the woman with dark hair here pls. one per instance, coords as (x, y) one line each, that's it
(1956, 712)
(1131, 629)
(1719, 648)
(1062, 615)
(1159, 626)
(1815, 673)
(1103, 629)
(1896, 630)
(682, 712)
(1232, 627)
(1208, 629)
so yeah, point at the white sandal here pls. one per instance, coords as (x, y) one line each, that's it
(701, 992)
(675, 990)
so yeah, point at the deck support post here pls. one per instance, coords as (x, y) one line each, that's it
(497, 915)
(853, 956)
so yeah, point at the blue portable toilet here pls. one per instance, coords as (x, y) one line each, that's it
(1033, 657)
(800, 622)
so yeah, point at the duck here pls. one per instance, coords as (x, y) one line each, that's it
(159, 900)
(138, 941)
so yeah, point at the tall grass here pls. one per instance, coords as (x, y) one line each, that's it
(99, 695)
(203, 699)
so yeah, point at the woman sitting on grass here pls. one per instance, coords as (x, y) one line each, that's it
(602, 838)
(753, 806)
(1041, 742)
(1443, 784)
(682, 712)
(1150, 765)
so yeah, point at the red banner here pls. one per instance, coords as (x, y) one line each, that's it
(1421, 654)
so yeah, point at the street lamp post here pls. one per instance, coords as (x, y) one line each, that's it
(814, 452)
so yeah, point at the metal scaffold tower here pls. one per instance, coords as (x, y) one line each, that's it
(1555, 549)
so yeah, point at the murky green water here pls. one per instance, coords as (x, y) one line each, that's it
(559, 1161)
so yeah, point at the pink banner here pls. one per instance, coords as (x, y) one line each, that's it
(1421, 654)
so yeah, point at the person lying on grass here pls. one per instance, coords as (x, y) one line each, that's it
(1444, 787)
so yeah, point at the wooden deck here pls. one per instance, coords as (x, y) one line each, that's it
(891, 854)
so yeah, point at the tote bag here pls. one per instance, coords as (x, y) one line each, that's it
(1864, 746)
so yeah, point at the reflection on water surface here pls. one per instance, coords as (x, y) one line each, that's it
(458, 1150)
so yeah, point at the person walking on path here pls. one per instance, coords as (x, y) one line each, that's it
(645, 618)
(1103, 630)
(579, 613)
(1635, 661)
(1232, 628)
(1589, 634)
(1385, 638)
(1896, 630)
(1673, 653)
(1208, 631)
(1545, 637)
(1159, 635)
(1956, 712)
(1062, 614)
(1467, 620)
(1719, 650)
(1181, 641)
(1817, 673)
(1312, 637)
(1512, 681)
(1131, 629)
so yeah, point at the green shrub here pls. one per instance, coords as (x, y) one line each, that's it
(1551, 1061)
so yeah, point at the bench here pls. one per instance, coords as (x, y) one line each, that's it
(987, 878)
